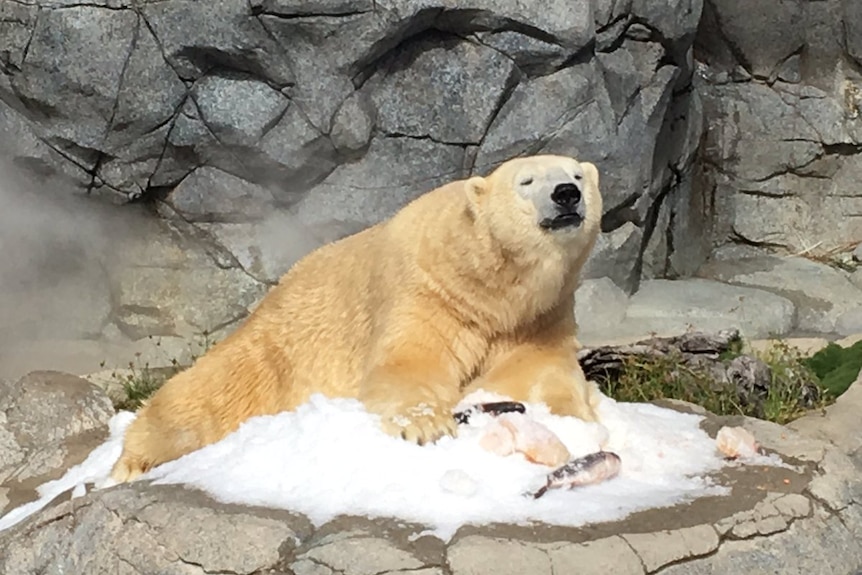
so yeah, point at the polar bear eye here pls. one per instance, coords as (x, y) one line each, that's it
(527, 181)
(578, 177)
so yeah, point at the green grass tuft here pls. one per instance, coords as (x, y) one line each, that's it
(645, 379)
(141, 382)
(793, 388)
(734, 350)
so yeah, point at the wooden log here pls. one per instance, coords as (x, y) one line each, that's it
(605, 361)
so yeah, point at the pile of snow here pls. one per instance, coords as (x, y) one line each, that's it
(330, 458)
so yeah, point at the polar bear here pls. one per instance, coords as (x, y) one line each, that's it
(469, 286)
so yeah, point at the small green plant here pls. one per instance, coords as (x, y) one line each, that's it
(644, 379)
(837, 367)
(795, 387)
(735, 348)
(790, 390)
(139, 383)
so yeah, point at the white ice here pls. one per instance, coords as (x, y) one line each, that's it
(329, 458)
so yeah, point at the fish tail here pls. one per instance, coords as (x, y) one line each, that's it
(540, 492)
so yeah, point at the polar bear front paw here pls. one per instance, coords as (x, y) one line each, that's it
(421, 424)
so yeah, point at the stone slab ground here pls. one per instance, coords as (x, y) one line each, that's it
(803, 520)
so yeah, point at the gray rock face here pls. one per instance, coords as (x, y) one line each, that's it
(210, 195)
(673, 307)
(447, 94)
(338, 113)
(49, 421)
(172, 533)
(175, 287)
(838, 423)
(782, 156)
(262, 128)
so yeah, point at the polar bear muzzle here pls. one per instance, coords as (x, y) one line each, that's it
(567, 202)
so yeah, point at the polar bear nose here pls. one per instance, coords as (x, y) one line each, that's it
(566, 195)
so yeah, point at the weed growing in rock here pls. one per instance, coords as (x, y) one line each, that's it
(138, 383)
(735, 348)
(795, 387)
(775, 385)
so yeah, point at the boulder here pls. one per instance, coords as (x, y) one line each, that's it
(674, 307)
(838, 423)
(49, 421)
(826, 299)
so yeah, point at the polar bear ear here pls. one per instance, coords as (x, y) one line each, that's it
(476, 189)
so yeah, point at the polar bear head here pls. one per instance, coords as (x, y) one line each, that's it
(540, 203)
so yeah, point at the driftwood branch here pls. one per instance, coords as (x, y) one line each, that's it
(691, 348)
(705, 353)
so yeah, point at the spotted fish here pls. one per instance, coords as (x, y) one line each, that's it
(589, 469)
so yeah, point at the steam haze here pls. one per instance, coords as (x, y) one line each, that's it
(55, 244)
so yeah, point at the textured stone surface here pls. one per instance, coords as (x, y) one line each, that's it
(599, 306)
(158, 531)
(837, 485)
(448, 93)
(210, 195)
(762, 33)
(658, 549)
(824, 296)
(470, 555)
(611, 252)
(822, 544)
(175, 293)
(771, 515)
(375, 187)
(611, 554)
(181, 282)
(839, 423)
(49, 421)
(782, 154)
(359, 556)
(677, 306)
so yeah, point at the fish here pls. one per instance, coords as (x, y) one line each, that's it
(734, 442)
(493, 408)
(519, 434)
(587, 470)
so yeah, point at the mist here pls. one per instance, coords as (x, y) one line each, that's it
(55, 247)
(61, 251)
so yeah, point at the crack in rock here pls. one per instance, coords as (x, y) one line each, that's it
(661, 548)
(773, 514)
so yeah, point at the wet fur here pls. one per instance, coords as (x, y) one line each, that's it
(460, 289)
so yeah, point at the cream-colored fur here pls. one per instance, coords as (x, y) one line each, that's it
(460, 289)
